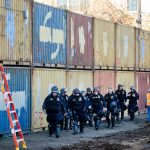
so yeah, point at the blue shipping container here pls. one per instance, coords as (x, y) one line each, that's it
(19, 84)
(49, 35)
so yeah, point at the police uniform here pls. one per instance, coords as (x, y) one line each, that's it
(121, 96)
(133, 96)
(111, 100)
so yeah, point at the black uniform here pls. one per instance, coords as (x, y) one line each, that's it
(121, 96)
(111, 100)
(77, 105)
(97, 103)
(133, 105)
(54, 107)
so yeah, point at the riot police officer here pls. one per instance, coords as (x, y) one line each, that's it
(67, 118)
(77, 105)
(121, 96)
(111, 100)
(89, 107)
(97, 102)
(53, 107)
(133, 96)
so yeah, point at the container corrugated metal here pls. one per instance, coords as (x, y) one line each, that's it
(125, 53)
(15, 30)
(142, 49)
(19, 84)
(42, 81)
(142, 82)
(79, 40)
(49, 35)
(125, 78)
(104, 80)
(79, 79)
(104, 38)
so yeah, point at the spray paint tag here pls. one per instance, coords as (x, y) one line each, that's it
(8, 76)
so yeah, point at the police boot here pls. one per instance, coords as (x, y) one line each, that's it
(50, 130)
(81, 128)
(122, 116)
(108, 121)
(57, 131)
(91, 122)
(70, 123)
(97, 122)
(66, 123)
(75, 128)
(113, 121)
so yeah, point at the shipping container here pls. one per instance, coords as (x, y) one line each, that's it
(79, 40)
(19, 84)
(49, 35)
(104, 80)
(125, 49)
(79, 79)
(15, 31)
(104, 44)
(126, 78)
(142, 83)
(42, 81)
(142, 49)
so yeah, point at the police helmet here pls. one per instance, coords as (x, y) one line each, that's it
(96, 89)
(54, 89)
(89, 89)
(76, 91)
(63, 90)
(113, 105)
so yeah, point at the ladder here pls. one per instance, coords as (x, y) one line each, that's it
(11, 111)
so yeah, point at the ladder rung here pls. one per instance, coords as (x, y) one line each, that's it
(13, 111)
(20, 140)
(14, 121)
(10, 102)
(18, 130)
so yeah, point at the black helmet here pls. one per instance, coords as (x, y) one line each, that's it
(120, 85)
(96, 89)
(89, 89)
(54, 89)
(113, 105)
(63, 90)
(76, 91)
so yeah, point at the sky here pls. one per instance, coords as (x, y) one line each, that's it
(146, 6)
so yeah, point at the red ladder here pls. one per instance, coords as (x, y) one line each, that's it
(11, 112)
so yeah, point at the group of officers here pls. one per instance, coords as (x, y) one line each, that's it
(87, 107)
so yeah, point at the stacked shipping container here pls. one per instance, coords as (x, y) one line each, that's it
(68, 50)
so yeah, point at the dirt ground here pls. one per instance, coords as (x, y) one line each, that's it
(125, 136)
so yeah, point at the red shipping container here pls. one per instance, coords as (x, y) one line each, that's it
(104, 80)
(142, 82)
(79, 40)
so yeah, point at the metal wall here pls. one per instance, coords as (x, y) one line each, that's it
(15, 30)
(19, 83)
(125, 51)
(126, 78)
(79, 40)
(49, 35)
(104, 80)
(142, 82)
(79, 79)
(142, 49)
(42, 81)
(104, 38)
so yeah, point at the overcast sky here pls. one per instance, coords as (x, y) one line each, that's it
(146, 6)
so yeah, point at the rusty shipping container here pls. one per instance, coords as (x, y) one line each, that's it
(49, 35)
(79, 79)
(79, 40)
(125, 50)
(104, 80)
(142, 83)
(126, 78)
(104, 38)
(42, 81)
(142, 49)
(15, 31)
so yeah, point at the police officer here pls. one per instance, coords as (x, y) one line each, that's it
(77, 105)
(89, 107)
(53, 107)
(97, 102)
(67, 118)
(121, 96)
(133, 96)
(111, 100)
